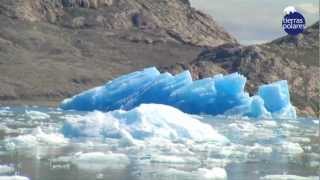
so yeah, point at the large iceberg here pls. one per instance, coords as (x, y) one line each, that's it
(217, 95)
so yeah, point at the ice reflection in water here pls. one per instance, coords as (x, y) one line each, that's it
(258, 150)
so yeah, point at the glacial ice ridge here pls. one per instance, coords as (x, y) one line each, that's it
(217, 95)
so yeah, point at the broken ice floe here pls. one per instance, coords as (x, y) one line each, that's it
(142, 123)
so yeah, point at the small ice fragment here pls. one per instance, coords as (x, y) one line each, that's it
(174, 159)
(37, 137)
(99, 176)
(268, 123)
(214, 173)
(260, 152)
(37, 115)
(51, 139)
(4, 169)
(5, 112)
(98, 160)
(288, 126)
(276, 99)
(304, 140)
(287, 177)
(314, 164)
(171, 173)
(13, 178)
(211, 162)
(289, 148)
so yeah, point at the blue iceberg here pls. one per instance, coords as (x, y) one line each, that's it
(218, 95)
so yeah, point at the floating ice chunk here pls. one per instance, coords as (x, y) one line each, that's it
(235, 153)
(99, 176)
(99, 160)
(37, 115)
(287, 177)
(287, 126)
(211, 162)
(303, 140)
(314, 164)
(95, 124)
(4, 169)
(214, 173)
(36, 138)
(51, 139)
(290, 149)
(97, 157)
(144, 122)
(174, 159)
(242, 130)
(276, 99)
(149, 120)
(257, 108)
(268, 124)
(26, 141)
(5, 112)
(259, 152)
(13, 178)
(5, 130)
(165, 174)
(170, 174)
(217, 95)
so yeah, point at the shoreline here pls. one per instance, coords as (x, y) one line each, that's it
(45, 103)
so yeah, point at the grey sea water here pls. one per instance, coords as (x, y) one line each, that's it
(32, 146)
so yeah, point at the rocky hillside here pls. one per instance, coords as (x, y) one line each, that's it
(295, 58)
(51, 49)
(174, 19)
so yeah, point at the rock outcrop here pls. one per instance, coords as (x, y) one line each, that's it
(175, 18)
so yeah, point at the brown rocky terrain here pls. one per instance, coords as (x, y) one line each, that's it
(294, 58)
(51, 49)
(173, 19)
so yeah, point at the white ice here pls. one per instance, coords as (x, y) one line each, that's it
(287, 177)
(37, 137)
(145, 122)
(4, 169)
(37, 115)
(13, 178)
